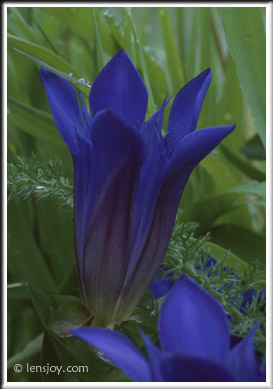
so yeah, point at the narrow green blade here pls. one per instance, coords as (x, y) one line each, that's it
(245, 34)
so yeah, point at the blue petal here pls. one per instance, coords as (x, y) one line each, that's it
(161, 285)
(151, 132)
(147, 256)
(160, 193)
(120, 87)
(118, 152)
(168, 367)
(196, 146)
(155, 229)
(83, 175)
(149, 185)
(119, 349)
(155, 358)
(192, 322)
(141, 271)
(186, 108)
(86, 120)
(64, 106)
(243, 361)
(178, 368)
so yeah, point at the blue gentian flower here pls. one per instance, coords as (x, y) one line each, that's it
(162, 284)
(128, 178)
(195, 343)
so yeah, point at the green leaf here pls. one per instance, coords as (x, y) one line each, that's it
(32, 348)
(70, 280)
(230, 110)
(79, 20)
(42, 304)
(80, 83)
(67, 351)
(56, 235)
(208, 59)
(145, 14)
(189, 35)
(70, 314)
(243, 166)
(114, 22)
(240, 266)
(254, 189)
(140, 52)
(219, 253)
(33, 121)
(98, 40)
(156, 74)
(222, 179)
(253, 148)
(245, 35)
(58, 313)
(43, 55)
(129, 44)
(20, 315)
(26, 260)
(16, 19)
(50, 357)
(72, 353)
(243, 242)
(208, 210)
(175, 66)
(157, 77)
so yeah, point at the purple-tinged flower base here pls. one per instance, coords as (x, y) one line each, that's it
(195, 343)
(128, 178)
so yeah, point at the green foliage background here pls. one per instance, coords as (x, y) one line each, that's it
(225, 194)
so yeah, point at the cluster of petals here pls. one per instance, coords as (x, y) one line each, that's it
(194, 335)
(128, 178)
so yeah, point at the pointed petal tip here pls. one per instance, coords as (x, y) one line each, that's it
(74, 331)
(47, 76)
(227, 129)
(63, 102)
(208, 72)
(119, 349)
(206, 75)
(43, 72)
(186, 107)
(46, 73)
(217, 132)
(121, 54)
(120, 86)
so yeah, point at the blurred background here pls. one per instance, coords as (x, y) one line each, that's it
(169, 46)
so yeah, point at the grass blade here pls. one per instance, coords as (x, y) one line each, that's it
(173, 58)
(245, 36)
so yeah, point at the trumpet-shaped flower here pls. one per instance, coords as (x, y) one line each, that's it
(128, 178)
(195, 343)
